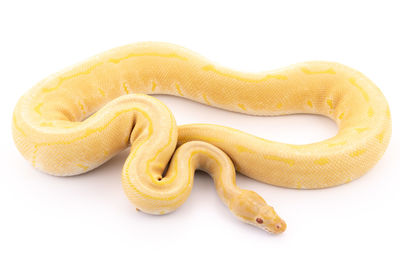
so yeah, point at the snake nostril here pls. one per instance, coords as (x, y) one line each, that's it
(259, 220)
(159, 178)
(280, 227)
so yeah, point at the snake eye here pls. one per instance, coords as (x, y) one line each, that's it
(259, 220)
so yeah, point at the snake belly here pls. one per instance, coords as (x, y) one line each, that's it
(77, 119)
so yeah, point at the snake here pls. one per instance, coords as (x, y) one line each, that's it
(78, 118)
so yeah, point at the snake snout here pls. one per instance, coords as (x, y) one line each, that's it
(279, 227)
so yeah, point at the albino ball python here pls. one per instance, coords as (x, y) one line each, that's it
(77, 119)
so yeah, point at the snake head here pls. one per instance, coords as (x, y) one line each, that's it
(269, 220)
(253, 209)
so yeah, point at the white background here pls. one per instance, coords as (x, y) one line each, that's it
(87, 220)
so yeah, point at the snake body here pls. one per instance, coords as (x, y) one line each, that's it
(77, 119)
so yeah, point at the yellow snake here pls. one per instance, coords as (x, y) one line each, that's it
(75, 120)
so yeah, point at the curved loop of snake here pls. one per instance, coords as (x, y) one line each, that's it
(77, 119)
